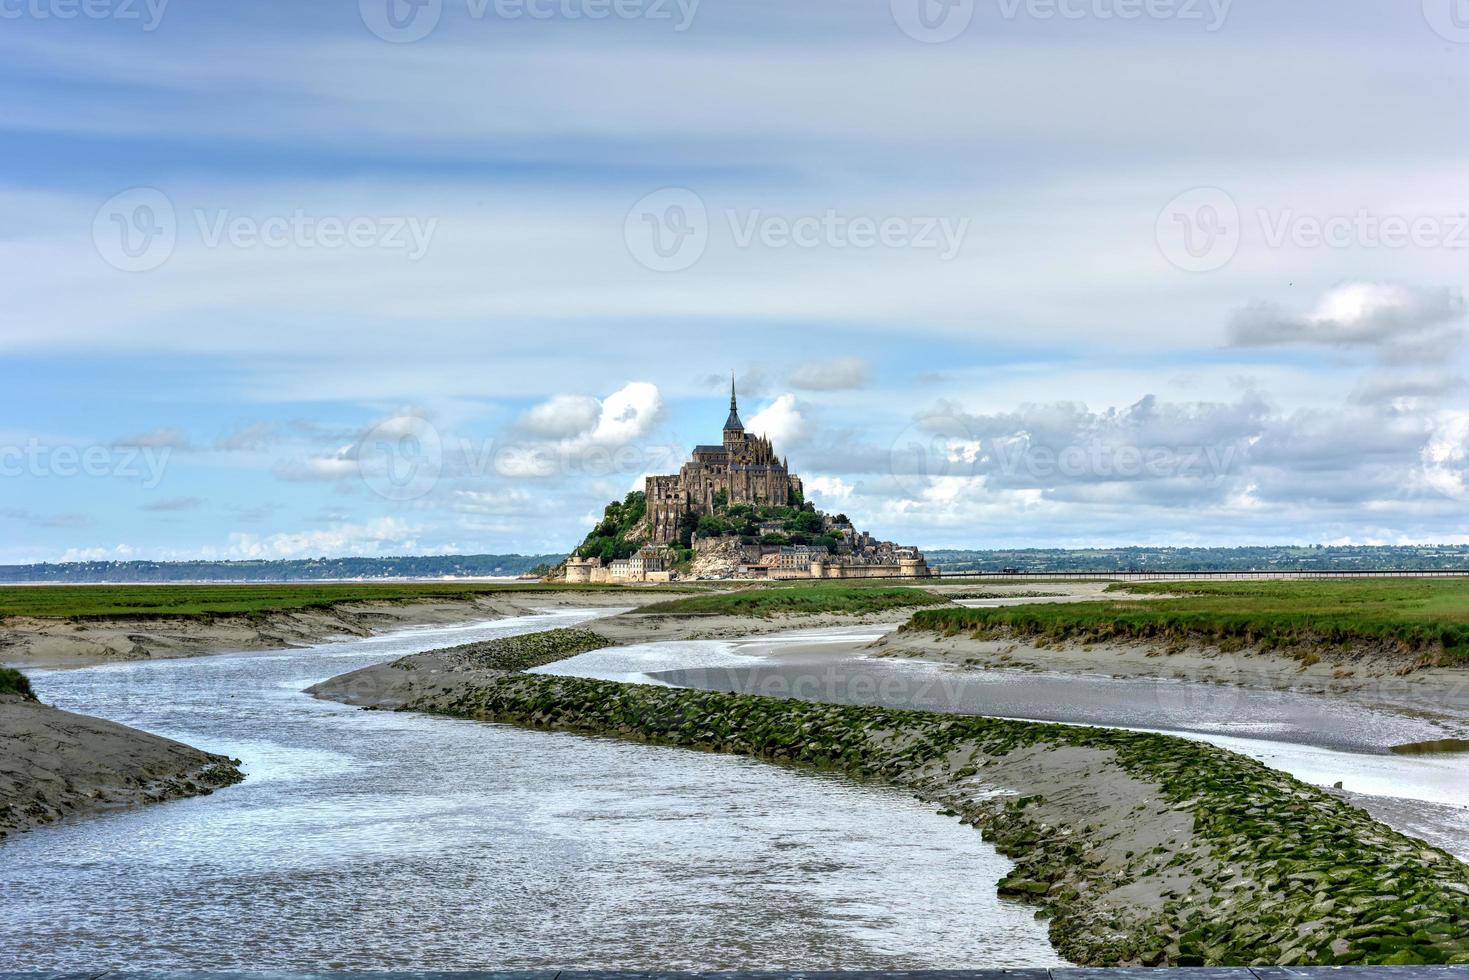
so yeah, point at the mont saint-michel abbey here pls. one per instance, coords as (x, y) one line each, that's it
(743, 469)
(735, 510)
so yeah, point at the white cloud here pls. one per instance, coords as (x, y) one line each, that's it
(840, 374)
(782, 421)
(338, 465)
(121, 552)
(627, 415)
(1446, 456)
(174, 504)
(1405, 390)
(562, 417)
(254, 437)
(827, 491)
(167, 437)
(382, 536)
(1354, 314)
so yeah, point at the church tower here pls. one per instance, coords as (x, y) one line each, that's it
(734, 429)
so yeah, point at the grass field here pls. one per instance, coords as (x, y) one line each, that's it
(150, 601)
(1428, 617)
(799, 598)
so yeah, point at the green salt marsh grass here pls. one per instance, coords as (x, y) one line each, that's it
(800, 598)
(94, 602)
(1428, 618)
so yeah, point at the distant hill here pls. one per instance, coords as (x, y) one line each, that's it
(1312, 557)
(304, 570)
(1317, 557)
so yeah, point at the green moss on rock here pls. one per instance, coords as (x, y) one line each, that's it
(1288, 874)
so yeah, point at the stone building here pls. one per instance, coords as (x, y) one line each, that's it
(647, 564)
(743, 468)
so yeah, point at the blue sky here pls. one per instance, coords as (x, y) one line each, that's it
(286, 279)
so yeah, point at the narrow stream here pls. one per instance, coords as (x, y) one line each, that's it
(375, 840)
(1319, 740)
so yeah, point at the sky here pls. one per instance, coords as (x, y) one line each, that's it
(287, 279)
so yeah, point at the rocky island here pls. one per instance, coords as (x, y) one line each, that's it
(733, 511)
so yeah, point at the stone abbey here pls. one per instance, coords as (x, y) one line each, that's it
(742, 472)
(743, 469)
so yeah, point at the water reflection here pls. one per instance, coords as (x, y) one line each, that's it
(374, 840)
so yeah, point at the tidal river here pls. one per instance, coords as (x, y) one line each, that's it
(373, 840)
(1326, 741)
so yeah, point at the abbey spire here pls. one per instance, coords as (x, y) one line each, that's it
(733, 423)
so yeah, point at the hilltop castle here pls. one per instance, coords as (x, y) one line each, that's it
(740, 513)
(743, 469)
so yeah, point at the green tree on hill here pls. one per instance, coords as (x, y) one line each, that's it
(615, 535)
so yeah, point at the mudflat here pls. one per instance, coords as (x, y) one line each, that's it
(1364, 676)
(57, 764)
(1144, 849)
(56, 643)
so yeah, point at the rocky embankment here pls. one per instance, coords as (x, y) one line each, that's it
(55, 764)
(1141, 848)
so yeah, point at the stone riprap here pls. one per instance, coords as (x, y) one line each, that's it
(1143, 849)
